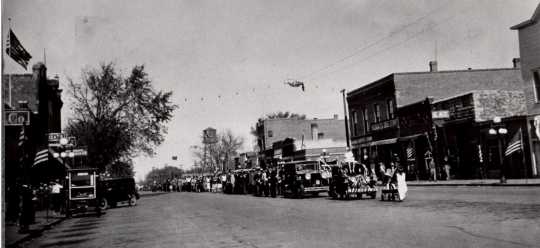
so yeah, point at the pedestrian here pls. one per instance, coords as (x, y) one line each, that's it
(56, 197)
(432, 170)
(446, 168)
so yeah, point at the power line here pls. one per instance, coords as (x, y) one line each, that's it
(360, 50)
(386, 49)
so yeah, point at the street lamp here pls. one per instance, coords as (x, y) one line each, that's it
(499, 130)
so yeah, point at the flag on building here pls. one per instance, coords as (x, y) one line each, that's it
(515, 144)
(16, 51)
(22, 137)
(41, 156)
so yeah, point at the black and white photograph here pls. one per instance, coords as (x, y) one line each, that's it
(270, 123)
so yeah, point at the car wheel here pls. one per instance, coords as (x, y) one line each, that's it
(132, 200)
(103, 204)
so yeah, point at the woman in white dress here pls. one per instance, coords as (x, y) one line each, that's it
(401, 184)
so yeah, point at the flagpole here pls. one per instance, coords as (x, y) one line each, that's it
(9, 54)
(523, 154)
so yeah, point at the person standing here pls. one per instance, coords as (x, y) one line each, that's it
(56, 197)
(446, 168)
(432, 170)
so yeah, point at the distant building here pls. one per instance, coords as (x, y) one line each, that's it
(273, 130)
(380, 134)
(277, 136)
(529, 49)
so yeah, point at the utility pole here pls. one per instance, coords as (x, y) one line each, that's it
(346, 119)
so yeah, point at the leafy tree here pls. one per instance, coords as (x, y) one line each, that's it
(118, 117)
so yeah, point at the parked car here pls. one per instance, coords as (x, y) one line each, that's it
(303, 177)
(82, 191)
(111, 191)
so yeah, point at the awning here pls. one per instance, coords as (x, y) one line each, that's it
(410, 137)
(383, 142)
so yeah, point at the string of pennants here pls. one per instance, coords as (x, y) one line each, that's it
(302, 86)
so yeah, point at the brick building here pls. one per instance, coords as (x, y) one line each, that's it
(41, 98)
(463, 136)
(277, 136)
(376, 131)
(529, 49)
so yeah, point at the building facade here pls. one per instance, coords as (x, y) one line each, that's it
(40, 98)
(390, 115)
(529, 49)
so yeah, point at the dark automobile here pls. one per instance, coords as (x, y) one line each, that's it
(114, 190)
(304, 177)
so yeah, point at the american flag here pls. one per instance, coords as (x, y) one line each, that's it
(41, 156)
(16, 51)
(515, 144)
(410, 152)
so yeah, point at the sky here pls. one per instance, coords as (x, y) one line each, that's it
(226, 60)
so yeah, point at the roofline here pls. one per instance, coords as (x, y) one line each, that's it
(470, 92)
(372, 84)
(306, 119)
(523, 24)
(384, 79)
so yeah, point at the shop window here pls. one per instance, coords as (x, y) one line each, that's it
(536, 79)
(354, 123)
(390, 106)
(366, 120)
(377, 112)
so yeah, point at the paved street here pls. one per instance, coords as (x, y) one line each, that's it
(430, 217)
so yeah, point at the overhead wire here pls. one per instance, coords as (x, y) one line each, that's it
(378, 41)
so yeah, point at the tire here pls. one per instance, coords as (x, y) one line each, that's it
(103, 204)
(132, 200)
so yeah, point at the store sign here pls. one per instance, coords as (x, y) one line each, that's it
(80, 152)
(384, 125)
(17, 118)
(54, 139)
(440, 114)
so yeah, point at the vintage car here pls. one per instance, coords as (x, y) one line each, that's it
(350, 181)
(115, 190)
(82, 191)
(304, 177)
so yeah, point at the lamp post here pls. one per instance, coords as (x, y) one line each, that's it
(499, 130)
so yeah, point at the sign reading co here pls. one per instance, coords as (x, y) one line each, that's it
(17, 118)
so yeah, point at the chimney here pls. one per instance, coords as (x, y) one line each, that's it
(516, 62)
(335, 117)
(433, 66)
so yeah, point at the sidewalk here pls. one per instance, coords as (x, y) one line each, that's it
(12, 237)
(478, 182)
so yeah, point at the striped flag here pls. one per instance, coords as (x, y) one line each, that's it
(22, 137)
(411, 154)
(41, 156)
(16, 51)
(515, 144)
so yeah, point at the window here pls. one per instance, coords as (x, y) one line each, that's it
(377, 112)
(270, 133)
(320, 136)
(390, 107)
(354, 123)
(536, 79)
(365, 120)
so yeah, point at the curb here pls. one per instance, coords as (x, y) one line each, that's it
(477, 184)
(35, 233)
